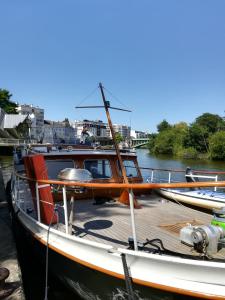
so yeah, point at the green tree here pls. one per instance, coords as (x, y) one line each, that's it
(197, 137)
(67, 122)
(210, 122)
(5, 102)
(163, 143)
(217, 146)
(151, 142)
(118, 137)
(164, 125)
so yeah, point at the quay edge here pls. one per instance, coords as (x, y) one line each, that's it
(13, 287)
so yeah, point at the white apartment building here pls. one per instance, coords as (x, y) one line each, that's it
(58, 132)
(138, 134)
(92, 128)
(124, 130)
(36, 114)
(99, 129)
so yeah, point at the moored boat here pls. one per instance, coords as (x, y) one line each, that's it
(202, 197)
(78, 209)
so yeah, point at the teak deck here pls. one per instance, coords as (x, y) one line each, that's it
(110, 222)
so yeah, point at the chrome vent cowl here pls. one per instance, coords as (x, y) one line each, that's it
(72, 174)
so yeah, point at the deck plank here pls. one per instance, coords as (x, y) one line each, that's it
(110, 223)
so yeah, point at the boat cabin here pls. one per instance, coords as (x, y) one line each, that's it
(102, 165)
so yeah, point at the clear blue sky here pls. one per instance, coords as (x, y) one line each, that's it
(163, 59)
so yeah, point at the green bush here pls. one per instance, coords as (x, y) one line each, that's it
(217, 146)
(187, 153)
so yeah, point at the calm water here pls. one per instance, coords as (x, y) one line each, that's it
(33, 271)
(165, 162)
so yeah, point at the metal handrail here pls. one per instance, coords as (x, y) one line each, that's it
(182, 171)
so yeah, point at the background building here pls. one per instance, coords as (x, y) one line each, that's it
(139, 134)
(58, 132)
(36, 114)
(92, 128)
(124, 131)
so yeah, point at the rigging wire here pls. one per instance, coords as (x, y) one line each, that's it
(116, 98)
(86, 97)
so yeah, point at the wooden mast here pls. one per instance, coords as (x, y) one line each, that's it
(125, 195)
(107, 105)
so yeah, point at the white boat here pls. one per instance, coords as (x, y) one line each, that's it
(200, 197)
(110, 250)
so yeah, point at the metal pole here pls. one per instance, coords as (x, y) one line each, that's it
(71, 218)
(216, 179)
(152, 175)
(65, 209)
(38, 202)
(169, 177)
(131, 200)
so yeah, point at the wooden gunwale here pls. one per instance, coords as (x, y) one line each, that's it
(127, 185)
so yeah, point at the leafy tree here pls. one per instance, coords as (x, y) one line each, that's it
(23, 129)
(67, 122)
(118, 137)
(217, 145)
(151, 142)
(163, 143)
(5, 102)
(164, 125)
(210, 122)
(197, 137)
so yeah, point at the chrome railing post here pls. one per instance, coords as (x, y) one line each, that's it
(65, 209)
(169, 179)
(152, 175)
(216, 179)
(71, 217)
(38, 201)
(131, 200)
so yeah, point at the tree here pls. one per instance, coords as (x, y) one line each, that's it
(9, 106)
(151, 142)
(67, 122)
(217, 145)
(163, 143)
(210, 122)
(164, 125)
(118, 137)
(197, 137)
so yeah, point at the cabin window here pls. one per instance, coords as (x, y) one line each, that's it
(99, 168)
(130, 168)
(56, 165)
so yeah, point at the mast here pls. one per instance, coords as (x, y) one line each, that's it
(106, 106)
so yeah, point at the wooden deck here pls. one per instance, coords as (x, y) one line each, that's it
(110, 222)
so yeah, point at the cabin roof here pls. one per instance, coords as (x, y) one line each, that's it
(84, 153)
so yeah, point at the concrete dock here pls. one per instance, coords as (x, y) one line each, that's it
(12, 289)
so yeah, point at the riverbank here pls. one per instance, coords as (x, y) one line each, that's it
(13, 287)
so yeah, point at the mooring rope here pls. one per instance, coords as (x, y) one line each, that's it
(47, 246)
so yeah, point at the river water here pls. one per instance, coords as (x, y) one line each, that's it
(166, 162)
(33, 270)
